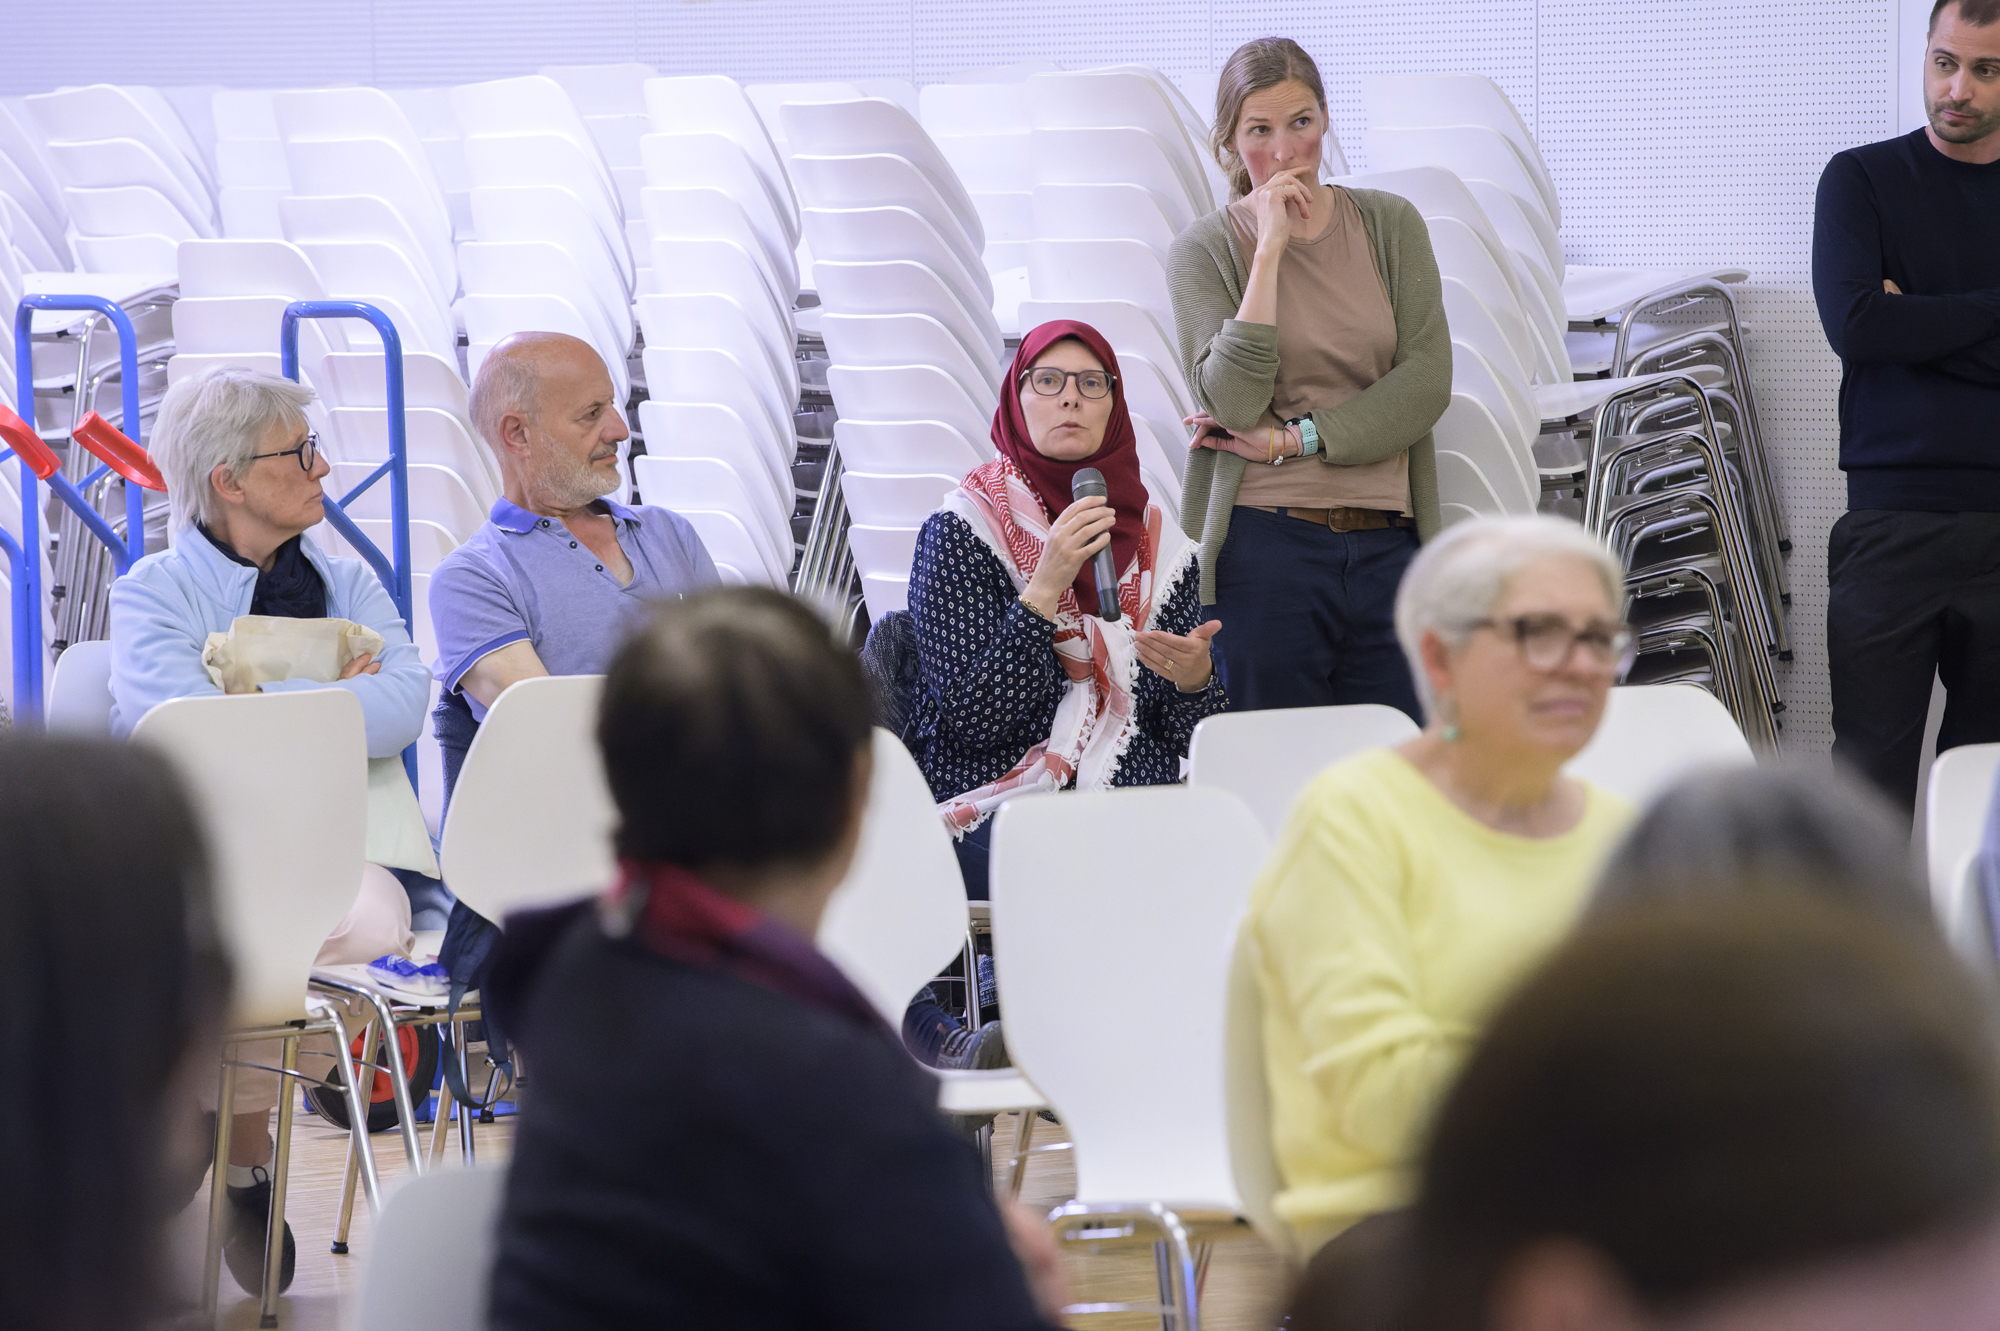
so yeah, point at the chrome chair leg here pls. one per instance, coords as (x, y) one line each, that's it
(357, 1106)
(218, 1188)
(465, 1112)
(281, 1162)
(351, 1173)
(440, 1124)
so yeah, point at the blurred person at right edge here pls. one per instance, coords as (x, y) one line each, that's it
(1758, 1110)
(1906, 272)
(1311, 327)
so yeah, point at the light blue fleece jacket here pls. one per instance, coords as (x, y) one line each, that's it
(164, 609)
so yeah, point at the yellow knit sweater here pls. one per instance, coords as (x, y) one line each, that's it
(1388, 924)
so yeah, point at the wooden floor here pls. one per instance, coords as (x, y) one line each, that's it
(1245, 1278)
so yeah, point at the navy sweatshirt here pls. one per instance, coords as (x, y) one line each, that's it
(1920, 382)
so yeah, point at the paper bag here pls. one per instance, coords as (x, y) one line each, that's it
(261, 649)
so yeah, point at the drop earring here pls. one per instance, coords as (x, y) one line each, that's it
(1450, 734)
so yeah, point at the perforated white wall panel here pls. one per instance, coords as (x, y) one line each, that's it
(1686, 134)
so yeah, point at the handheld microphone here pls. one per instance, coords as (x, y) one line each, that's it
(1090, 481)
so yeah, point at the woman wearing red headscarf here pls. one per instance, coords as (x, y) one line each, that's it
(1024, 686)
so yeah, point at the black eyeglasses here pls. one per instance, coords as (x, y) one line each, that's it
(1547, 641)
(1048, 381)
(307, 451)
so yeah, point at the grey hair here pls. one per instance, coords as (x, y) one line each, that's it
(506, 384)
(1460, 576)
(215, 420)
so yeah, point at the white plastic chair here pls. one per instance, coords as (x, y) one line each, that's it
(719, 430)
(1463, 483)
(79, 694)
(490, 317)
(1458, 99)
(877, 125)
(1127, 154)
(531, 104)
(510, 843)
(694, 267)
(1109, 211)
(1508, 399)
(744, 329)
(1128, 270)
(1129, 896)
(1462, 255)
(105, 163)
(894, 500)
(310, 219)
(709, 212)
(688, 158)
(908, 447)
(905, 287)
(705, 374)
(437, 494)
(729, 541)
(1474, 152)
(554, 215)
(554, 160)
(1266, 758)
(247, 268)
(1653, 734)
(354, 379)
(1117, 99)
(1473, 323)
(899, 916)
(544, 268)
(906, 392)
(125, 254)
(1956, 803)
(880, 180)
(129, 210)
(884, 595)
(380, 167)
(432, 1259)
(431, 435)
(712, 484)
(716, 104)
(883, 550)
(104, 111)
(279, 782)
(875, 235)
(906, 339)
(1468, 429)
(384, 275)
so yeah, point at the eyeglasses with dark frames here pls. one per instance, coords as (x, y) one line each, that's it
(1547, 641)
(1049, 381)
(307, 451)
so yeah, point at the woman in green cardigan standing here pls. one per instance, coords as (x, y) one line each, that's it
(1312, 331)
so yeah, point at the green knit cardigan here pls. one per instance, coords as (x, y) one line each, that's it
(1232, 365)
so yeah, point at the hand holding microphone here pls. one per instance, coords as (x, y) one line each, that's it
(1089, 482)
(1081, 531)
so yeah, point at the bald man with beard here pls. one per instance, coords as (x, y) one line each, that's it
(559, 574)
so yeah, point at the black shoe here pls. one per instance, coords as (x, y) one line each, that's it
(243, 1248)
(975, 1051)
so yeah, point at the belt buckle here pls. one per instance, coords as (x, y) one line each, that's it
(1334, 518)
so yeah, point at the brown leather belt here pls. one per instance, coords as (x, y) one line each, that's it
(1343, 519)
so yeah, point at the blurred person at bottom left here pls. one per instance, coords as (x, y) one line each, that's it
(113, 988)
(724, 1131)
(243, 472)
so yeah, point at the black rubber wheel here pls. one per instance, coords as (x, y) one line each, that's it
(420, 1055)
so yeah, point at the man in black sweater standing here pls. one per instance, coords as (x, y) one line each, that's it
(1906, 270)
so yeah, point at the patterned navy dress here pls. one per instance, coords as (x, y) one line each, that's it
(991, 680)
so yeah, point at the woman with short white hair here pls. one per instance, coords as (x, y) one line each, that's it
(1412, 887)
(243, 473)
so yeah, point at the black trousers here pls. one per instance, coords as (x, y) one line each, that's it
(1909, 595)
(1309, 615)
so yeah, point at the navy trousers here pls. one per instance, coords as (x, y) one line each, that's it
(1308, 614)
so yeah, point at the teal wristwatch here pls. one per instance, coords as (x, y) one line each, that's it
(1308, 435)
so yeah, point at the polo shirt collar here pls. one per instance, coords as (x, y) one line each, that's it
(509, 516)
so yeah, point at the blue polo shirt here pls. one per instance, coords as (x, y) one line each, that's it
(523, 577)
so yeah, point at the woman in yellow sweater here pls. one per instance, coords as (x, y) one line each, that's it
(1412, 887)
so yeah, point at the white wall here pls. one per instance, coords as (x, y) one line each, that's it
(1689, 133)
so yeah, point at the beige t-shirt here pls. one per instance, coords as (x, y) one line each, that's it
(1336, 336)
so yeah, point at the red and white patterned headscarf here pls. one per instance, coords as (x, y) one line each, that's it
(1012, 514)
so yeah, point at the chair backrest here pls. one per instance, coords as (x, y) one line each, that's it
(1121, 902)
(716, 429)
(908, 446)
(906, 339)
(280, 782)
(1470, 429)
(79, 700)
(433, 1252)
(878, 125)
(717, 104)
(1955, 810)
(531, 816)
(903, 286)
(906, 392)
(247, 268)
(1456, 99)
(1252, 1157)
(1266, 758)
(1652, 734)
(899, 916)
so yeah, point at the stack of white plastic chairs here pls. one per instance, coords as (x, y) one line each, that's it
(368, 211)
(134, 180)
(721, 376)
(906, 314)
(250, 171)
(1658, 437)
(979, 121)
(34, 220)
(612, 101)
(550, 251)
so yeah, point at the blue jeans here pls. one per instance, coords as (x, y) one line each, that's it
(1308, 614)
